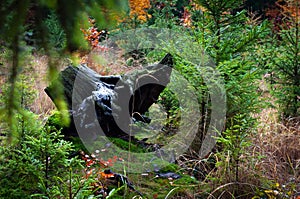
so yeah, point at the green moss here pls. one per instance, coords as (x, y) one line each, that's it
(127, 146)
(170, 168)
(152, 187)
(186, 180)
(56, 120)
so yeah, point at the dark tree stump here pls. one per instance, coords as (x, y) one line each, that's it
(110, 102)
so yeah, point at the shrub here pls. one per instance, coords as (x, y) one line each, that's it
(39, 165)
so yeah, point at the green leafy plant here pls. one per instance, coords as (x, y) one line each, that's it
(171, 105)
(234, 142)
(232, 161)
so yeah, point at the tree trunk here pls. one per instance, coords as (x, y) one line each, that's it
(113, 102)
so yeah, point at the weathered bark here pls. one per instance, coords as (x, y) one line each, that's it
(114, 102)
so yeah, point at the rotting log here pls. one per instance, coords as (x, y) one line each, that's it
(109, 102)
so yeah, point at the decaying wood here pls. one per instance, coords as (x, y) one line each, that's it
(117, 101)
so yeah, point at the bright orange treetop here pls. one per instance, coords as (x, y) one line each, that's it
(138, 9)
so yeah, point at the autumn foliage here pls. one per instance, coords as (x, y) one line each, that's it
(283, 12)
(93, 35)
(98, 168)
(138, 9)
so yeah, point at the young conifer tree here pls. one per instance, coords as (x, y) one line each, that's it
(286, 66)
(230, 38)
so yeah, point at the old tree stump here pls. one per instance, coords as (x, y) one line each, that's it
(107, 105)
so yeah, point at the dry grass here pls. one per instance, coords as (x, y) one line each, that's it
(33, 75)
(42, 104)
(107, 61)
(279, 144)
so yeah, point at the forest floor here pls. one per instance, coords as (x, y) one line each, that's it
(275, 148)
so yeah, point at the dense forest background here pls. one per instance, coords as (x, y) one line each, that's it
(255, 47)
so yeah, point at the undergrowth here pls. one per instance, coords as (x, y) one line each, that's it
(257, 153)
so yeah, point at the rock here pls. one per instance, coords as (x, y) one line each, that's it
(169, 175)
